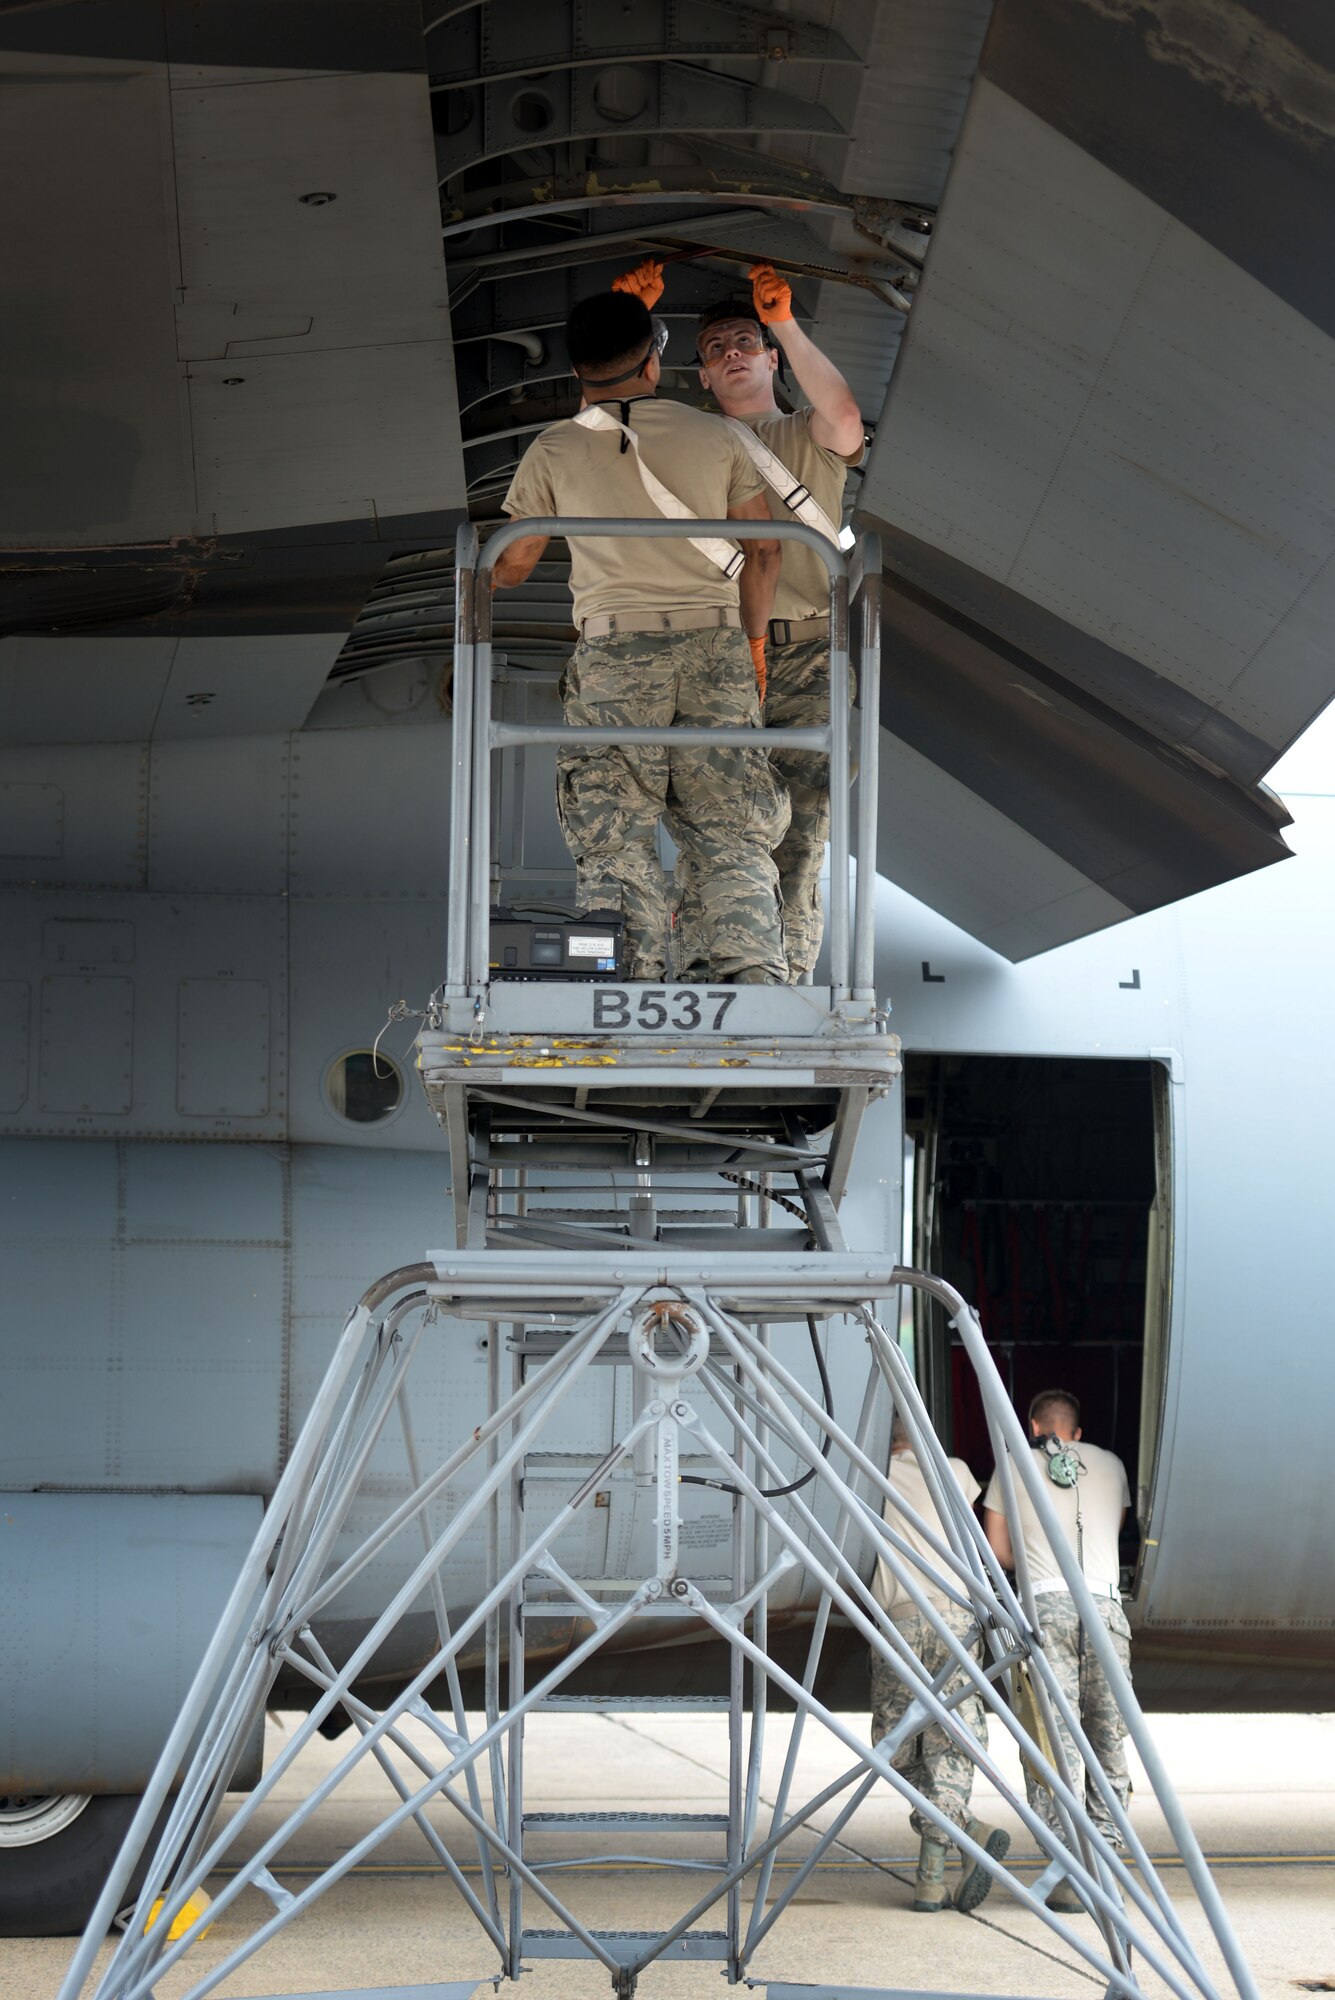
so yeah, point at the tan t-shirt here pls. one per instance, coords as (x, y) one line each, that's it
(1100, 1494)
(906, 1476)
(569, 470)
(804, 582)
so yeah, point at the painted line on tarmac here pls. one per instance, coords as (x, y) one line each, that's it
(1026, 1865)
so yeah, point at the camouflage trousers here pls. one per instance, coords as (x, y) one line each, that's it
(797, 696)
(932, 1763)
(727, 809)
(1083, 1682)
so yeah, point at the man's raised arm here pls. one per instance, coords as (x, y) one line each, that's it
(836, 420)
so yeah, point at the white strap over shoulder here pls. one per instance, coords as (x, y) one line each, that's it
(724, 555)
(794, 495)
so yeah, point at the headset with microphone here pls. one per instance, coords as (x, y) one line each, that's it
(1064, 1463)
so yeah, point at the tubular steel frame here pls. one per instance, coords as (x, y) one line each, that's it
(698, 1321)
(675, 1310)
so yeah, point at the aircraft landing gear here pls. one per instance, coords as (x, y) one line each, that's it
(54, 1855)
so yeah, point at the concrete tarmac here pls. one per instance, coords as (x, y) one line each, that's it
(1260, 1791)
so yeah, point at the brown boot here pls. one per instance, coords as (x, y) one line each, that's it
(929, 1884)
(1064, 1900)
(976, 1883)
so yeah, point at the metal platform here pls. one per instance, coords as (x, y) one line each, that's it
(749, 1101)
(661, 1045)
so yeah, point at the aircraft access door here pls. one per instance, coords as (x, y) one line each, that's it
(1042, 1191)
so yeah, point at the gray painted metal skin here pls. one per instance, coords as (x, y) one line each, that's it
(1101, 475)
(231, 439)
(79, 1583)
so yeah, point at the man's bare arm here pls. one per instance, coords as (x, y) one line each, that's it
(998, 1533)
(759, 575)
(517, 563)
(836, 420)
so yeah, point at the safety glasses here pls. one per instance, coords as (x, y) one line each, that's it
(741, 340)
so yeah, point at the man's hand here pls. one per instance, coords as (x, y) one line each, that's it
(644, 283)
(772, 295)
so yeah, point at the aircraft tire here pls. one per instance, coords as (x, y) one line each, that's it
(54, 1857)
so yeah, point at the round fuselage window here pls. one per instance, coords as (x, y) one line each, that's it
(364, 1086)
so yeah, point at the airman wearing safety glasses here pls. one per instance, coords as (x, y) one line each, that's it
(804, 457)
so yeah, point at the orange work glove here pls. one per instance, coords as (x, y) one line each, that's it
(772, 294)
(762, 672)
(645, 282)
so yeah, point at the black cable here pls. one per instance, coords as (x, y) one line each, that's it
(777, 1492)
(766, 1194)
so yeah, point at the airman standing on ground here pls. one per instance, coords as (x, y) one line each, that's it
(931, 1761)
(804, 457)
(663, 628)
(1088, 1489)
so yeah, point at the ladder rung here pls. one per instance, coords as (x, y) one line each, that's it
(628, 1946)
(641, 1820)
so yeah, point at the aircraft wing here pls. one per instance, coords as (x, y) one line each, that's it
(229, 381)
(1066, 251)
(1103, 473)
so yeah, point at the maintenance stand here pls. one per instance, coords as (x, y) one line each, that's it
(718, 1291)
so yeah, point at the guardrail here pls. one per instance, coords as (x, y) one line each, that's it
(854, 585)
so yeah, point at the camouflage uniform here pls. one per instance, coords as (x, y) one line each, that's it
(797, 696)
(1085, 1686)
(933, 1764)
(727, 809)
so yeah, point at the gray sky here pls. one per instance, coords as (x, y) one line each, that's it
(1309, 765)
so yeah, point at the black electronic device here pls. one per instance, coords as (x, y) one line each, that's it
(547, 944)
